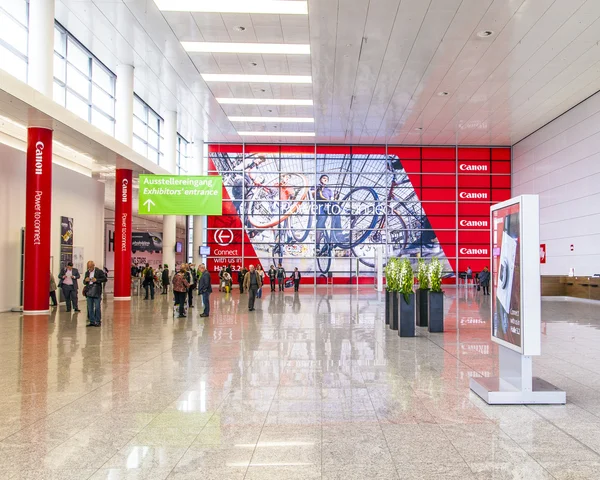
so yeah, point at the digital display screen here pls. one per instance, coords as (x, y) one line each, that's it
(178, 247)
(204, 251)
(506, 277)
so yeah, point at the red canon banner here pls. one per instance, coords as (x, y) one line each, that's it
(38, 203)
(123, 192)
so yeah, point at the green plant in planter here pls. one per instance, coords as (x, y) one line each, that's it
(407, 279)
(423, 274)
(392, 274)
(435, 276)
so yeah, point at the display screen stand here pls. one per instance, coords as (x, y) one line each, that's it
(516, 383)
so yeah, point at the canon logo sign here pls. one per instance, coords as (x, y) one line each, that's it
(474, 251)
(465, 167)
(473, 195)
(474, 223)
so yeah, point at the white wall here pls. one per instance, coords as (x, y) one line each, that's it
(73, 195)
(561, 163)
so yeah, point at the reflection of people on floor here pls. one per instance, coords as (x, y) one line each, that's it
(296, 305)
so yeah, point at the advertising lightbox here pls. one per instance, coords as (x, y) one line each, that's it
(515, 274)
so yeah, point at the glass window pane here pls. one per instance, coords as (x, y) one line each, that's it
(59, 41)
(140, 146)
(77, 106)
(103, 122)
(13, 64)
(13, 33)
(59, 94)
(103, 101)
(16, 9)
(102, 78)
(153, 121)
(140, 129)
(78, 57)
(59, 68)
(153, 155)
(77, 82)
(139, 109)
(152, 139)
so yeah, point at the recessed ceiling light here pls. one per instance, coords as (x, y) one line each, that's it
(264, 101)
(239, 28)
(442, 94)
(263, 48)
(485, 33)
(226, 77)
(276, 134)
(278, 7)
(273, 119)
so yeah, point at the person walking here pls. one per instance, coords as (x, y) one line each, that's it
(281, 277)
(261, 273)
(67, 281)
(148, 276)
(205, 289)
(94, 280)
(484, 280)
(221, 272)
(468, 276)
(165, 280)
(252, 283)
(180, 286)
(241, 276)
(53, 291)
(272, 277)
(296, 276)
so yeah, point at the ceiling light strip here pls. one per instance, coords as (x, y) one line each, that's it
(276, 134)
(276, 7)
(264, 101)
(225, 77)
(261, 48)
(273, 119)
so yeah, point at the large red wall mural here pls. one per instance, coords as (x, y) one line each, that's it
(327, 209)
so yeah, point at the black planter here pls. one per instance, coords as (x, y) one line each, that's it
(408, 313)
(394, 311)
(388, 297)
(436, 312)
(422, 313)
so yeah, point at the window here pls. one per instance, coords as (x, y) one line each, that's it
(182, 155)
(147, 126)
(13, 37)
(82, 83)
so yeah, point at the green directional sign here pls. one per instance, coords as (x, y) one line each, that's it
(180, 195)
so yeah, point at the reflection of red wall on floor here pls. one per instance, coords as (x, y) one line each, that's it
(456, 187)
(121, 339)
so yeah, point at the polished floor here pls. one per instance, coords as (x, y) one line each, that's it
(309, 386)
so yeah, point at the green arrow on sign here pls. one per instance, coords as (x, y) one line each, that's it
(180, 195)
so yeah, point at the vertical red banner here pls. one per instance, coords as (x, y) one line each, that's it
(38, 219)
(123, 193)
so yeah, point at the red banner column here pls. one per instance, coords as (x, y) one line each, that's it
(123, 193)
(38, 204)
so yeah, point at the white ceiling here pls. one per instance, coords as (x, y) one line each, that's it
(377, 66)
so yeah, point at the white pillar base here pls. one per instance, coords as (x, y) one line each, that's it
(118, 299)
(35, 312)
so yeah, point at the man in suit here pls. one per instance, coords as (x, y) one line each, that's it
(94, 280)
(296, 278)
(204, 289)
(67, 281)
(252, 283)
(281, 277)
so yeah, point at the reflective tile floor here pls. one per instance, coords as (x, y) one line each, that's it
(309, 386)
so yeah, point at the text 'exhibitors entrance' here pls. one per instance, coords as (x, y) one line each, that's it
(180, 195)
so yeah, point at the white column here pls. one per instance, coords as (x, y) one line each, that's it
(200, 167)
(124, 104)
(41, 46)
(169, 163)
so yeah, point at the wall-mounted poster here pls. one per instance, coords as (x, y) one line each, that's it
(66, 241)
(506, 276)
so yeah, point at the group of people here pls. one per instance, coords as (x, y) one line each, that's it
(185, 281)
(277, 278)
(481, 280)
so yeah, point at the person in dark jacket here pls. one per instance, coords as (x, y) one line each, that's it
(204, 289)
(252, 283)
(180, 286)
(67, 281)
(241, 276)
(484, 280)
(148, 282)
(192, 278)
(281, 277)
(272, 277)
(165, 279)
(94, 280)
(296, 276)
